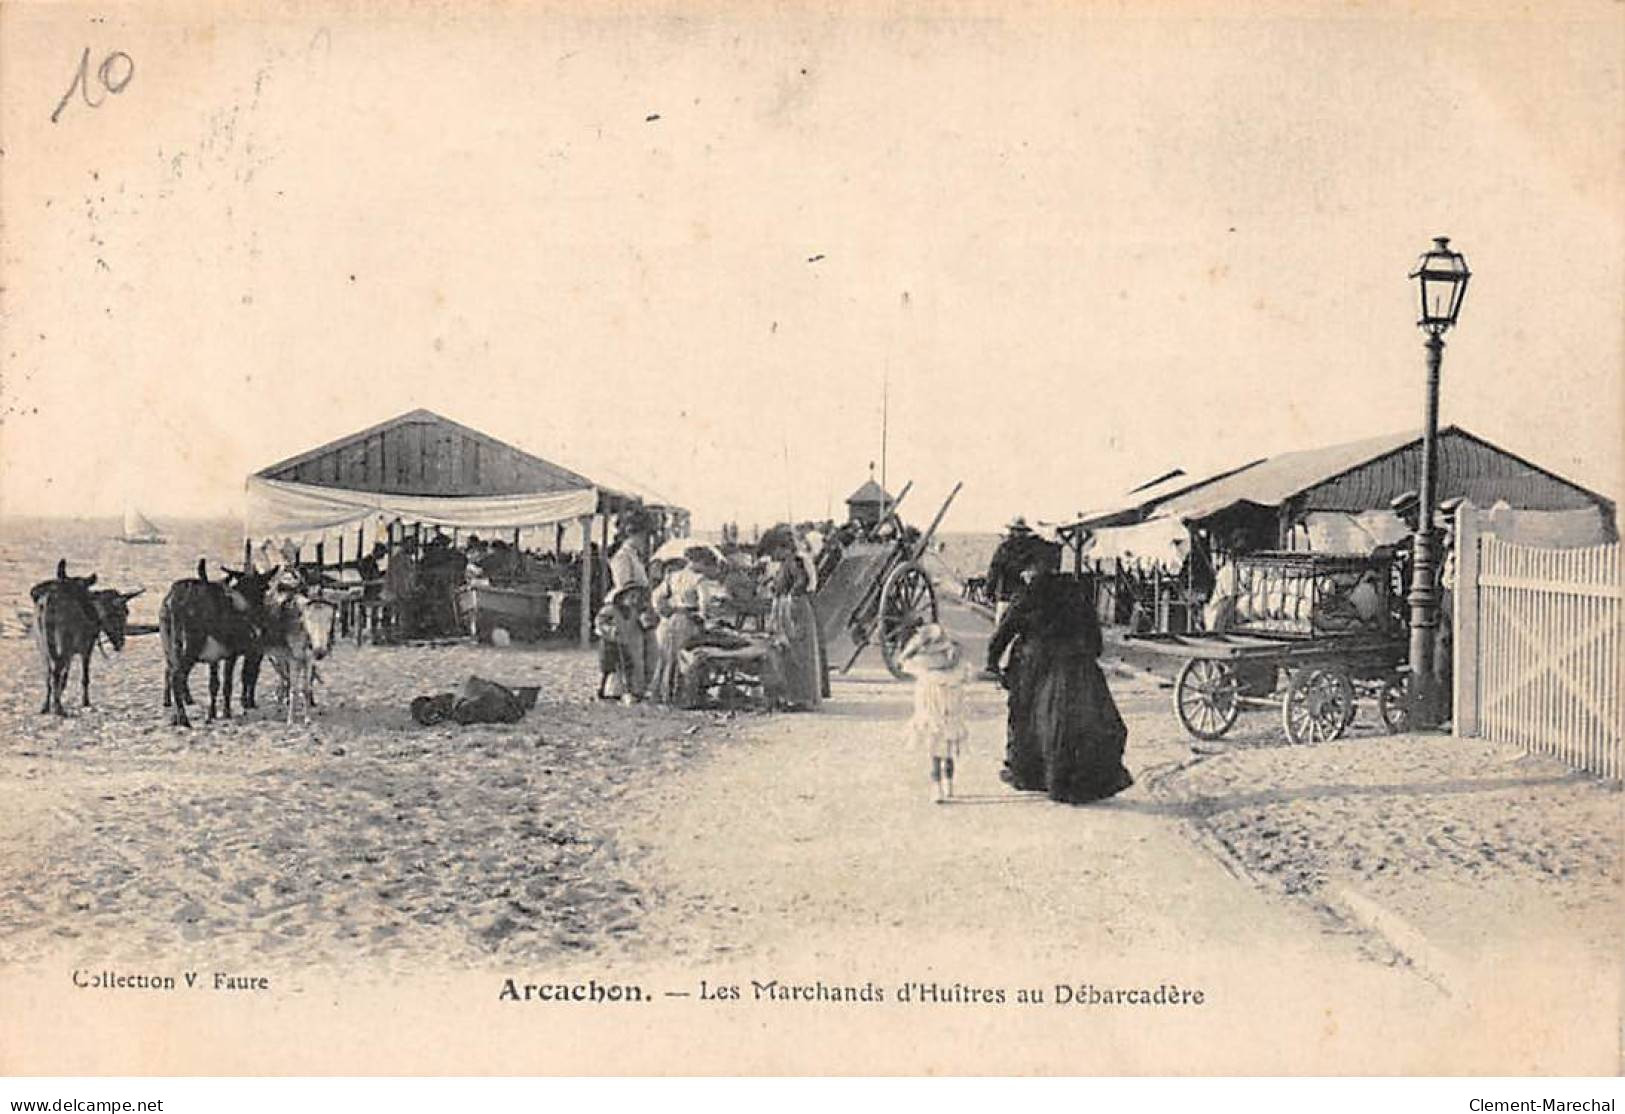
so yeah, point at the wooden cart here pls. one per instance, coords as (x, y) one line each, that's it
(1315, 682)
(1303, 648)
(879, 593)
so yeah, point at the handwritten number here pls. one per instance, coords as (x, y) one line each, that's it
(119, 63)
(114, 74)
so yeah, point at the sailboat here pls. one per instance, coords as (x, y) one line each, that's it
(139, 530)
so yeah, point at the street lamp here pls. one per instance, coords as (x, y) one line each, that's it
(1441, 276)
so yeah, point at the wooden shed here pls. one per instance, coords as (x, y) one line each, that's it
(869, 503)
(1278, 494)
(424, 469)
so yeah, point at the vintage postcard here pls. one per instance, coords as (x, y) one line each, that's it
(676, 538)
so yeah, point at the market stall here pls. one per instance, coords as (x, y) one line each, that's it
(1330, 500)
(415, 511)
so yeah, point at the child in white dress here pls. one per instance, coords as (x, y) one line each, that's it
(933, 659)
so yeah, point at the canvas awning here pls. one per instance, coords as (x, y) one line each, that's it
(1152, 540)
(282, 509)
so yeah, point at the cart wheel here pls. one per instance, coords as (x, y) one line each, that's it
(1319, 705)
(1393, 706)
(1207, 698)
(907, 602)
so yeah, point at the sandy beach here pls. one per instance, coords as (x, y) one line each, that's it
(1352, 891)
(361, 837)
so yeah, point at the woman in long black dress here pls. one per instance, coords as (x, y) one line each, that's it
(1065, 734)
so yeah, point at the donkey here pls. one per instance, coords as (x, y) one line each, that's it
(298, 634)
(211, 622)
(69, 621)
(37, 592)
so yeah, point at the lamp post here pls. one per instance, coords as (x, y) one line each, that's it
(1441, 276)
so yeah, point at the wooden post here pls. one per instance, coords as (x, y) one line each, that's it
(586, 581)
(248, 555)
(1470, 524)
(346, 608)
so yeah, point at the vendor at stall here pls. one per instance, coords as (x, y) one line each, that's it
(676, 600)
(628, 557)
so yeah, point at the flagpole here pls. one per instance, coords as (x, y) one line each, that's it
(789, 511)
(885, 400)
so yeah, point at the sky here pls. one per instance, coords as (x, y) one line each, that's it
(1072, 247)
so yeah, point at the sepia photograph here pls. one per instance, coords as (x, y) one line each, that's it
(761, 539)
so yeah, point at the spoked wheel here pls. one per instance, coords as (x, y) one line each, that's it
(1319, 705)
(1207, 698)
(1393, 705)
(907, 603)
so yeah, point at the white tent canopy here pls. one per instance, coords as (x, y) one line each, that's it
(1152, 540)
(282, 509)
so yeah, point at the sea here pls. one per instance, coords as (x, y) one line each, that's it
(30, 548)
(966, 555)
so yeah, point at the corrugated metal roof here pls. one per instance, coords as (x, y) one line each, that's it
(1136, 505)
(1273, 481)
(1367, 474)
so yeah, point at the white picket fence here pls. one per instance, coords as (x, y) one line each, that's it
(1539, 636)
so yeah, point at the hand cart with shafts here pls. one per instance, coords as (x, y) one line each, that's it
(879, 592)
(1311, 633)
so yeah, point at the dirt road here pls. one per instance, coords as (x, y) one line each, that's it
(812, 848)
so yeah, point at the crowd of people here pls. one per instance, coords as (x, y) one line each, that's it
(749, 605)
(416, 577)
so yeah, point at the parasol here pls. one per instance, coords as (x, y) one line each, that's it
(676, 547)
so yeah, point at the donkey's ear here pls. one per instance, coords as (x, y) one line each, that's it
(89, 580)
(131, 595)
(62, 568)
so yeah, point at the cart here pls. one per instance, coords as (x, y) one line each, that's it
(1313, 632)
(1225, 674)
(879, 593)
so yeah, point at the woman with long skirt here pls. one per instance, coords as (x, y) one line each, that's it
(792, 619)
(1065, 734)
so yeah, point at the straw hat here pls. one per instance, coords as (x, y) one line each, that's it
(1018, 525)
(932, 644)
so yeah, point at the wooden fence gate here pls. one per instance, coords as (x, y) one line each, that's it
(1538, 647)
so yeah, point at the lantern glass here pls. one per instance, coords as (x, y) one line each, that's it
(1441, 276)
